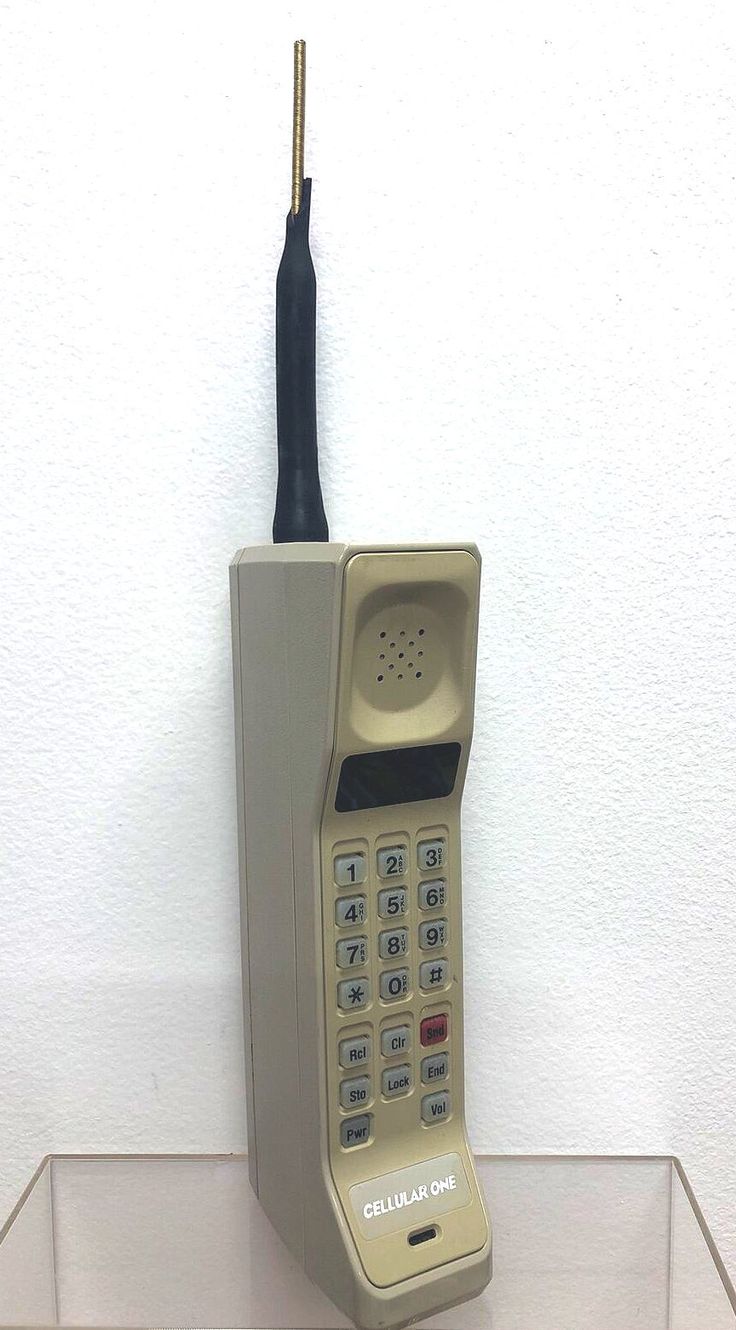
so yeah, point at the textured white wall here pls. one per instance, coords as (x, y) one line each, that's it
(523, 228)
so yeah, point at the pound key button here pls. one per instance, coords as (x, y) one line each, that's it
(433, 1029)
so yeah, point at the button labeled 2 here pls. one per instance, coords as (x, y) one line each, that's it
(392, 861)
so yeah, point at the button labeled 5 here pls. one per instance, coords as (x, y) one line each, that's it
(392, 903)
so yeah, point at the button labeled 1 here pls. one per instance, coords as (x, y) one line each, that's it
(350, 869)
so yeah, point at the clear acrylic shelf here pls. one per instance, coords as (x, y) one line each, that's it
(579, 1244)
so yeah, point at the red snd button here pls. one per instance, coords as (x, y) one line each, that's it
(433, 1029)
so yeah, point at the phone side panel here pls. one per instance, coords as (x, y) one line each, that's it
(267, 895)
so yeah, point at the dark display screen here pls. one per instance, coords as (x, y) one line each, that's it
(397, 776)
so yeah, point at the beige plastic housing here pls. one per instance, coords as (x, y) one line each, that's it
(323, 670)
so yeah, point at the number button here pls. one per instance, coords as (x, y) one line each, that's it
(352, 994)
(396, 1080)
(350, 910)
(356, 1092)
(432, 894)
(394, 985)
(392, 862)
(395, 1040)
(355, 1052)
(355, 1131)
(435, 1107)
(431, 854)
(434, 974)
(393, 943)
(433, 934)
(350, 869)
(392, 904)
(352, 951)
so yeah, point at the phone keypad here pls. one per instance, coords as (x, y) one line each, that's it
(404, 922)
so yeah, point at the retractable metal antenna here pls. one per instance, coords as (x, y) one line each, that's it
(299, 514)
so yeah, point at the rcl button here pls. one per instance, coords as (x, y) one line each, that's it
(433, 1029)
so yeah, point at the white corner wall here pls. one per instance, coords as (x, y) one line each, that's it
(523, 226)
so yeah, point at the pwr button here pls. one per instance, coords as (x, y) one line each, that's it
(433, 1030)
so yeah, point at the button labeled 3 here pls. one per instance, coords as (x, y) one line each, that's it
(431, 854)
